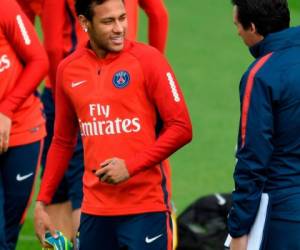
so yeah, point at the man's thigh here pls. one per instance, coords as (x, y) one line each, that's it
(97, 232)
(18, 169)
(148, 231)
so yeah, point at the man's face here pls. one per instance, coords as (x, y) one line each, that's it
(108, 26)
(249, 35)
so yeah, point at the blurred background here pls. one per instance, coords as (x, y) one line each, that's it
(208, 58)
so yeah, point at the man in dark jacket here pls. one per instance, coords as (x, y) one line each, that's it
(268, 154)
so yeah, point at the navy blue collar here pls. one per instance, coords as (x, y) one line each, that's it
(276, 41)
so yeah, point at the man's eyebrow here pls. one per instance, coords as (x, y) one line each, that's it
(107, 18)
(112, 18)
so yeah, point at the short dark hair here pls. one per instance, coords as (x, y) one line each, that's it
(268, 15)
(85, 7)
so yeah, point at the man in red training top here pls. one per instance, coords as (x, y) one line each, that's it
(157, 21)
(124, 99)
(23, 65)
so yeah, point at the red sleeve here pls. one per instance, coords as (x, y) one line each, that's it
(21, 35)
(132, 17)
(62, 145)
(53, 20)
(165, 93)
(158, 22)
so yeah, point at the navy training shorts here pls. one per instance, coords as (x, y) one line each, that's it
(18, 168)
(147, 231)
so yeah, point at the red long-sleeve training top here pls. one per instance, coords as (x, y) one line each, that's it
(23, 65)
(117, 103)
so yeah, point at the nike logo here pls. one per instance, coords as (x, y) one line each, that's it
(150, 240)
(75, 84)
(23, 177)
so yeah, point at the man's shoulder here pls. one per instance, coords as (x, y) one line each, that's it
(8, 9)
(260, 67)
(6, 6)
(143, 51)
(75, 56)
(147, 56)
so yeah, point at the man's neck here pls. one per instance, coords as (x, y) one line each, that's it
(99, 52)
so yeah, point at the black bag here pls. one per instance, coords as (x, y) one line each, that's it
(203, 225)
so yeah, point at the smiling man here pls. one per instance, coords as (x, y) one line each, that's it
(124, 99)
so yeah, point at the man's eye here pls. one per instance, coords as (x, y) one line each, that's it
(107, 22)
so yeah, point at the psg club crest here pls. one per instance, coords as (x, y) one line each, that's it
(121, 79)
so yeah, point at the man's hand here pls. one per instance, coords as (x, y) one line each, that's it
(42, 223)
(239, 243)
(5, 126)
(113, 171)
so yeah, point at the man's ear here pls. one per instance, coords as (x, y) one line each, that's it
(254, 31)
(253, 28)
(258, 37)
(84, 23)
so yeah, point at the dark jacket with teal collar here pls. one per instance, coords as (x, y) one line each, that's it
(268, 154)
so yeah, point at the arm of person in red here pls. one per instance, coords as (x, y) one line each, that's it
(157, 24)
(63, 142)
(166, 94)
(53, 19)
(132, 7)
(21, 35)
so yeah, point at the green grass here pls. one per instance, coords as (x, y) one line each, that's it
(208, 58)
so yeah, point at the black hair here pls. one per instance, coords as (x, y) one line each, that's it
(85, 7)
(268, 16)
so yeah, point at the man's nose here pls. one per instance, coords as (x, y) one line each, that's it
(118, 27)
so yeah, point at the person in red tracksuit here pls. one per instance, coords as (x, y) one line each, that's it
(23, 65)
(157, 21)
(124, 99)
(62, 35)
